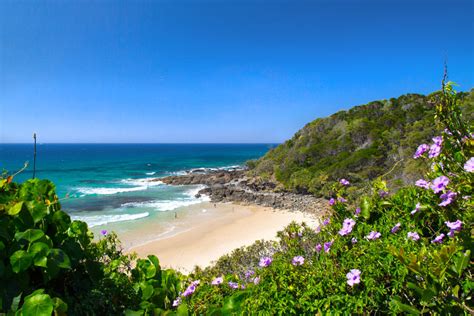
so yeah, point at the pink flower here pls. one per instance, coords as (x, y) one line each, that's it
(347, 226)
(344, 182)
(256, 280)
(456, 226)
(373, 235)
(265, 262)
(469, 165)
(413, 236)
(447, 198)
(327, 246)
(354, 240)
(422, 184)
(297, 261)
(177, 302)
(353, 277)
(438, 239)
(439, 184)
(357, 212)
(417, 208)
(318, 247)
(217, 281)
(420, 151)
(395, 228)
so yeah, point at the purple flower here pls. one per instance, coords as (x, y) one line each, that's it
(353, 277)
(327, 221)
(422, 184)
(256, 280)
(249, 273)
(439, 184)
(421, 150)
(318, 247)
(318, 229)
(233, 285)
(395, 228)
(344, 182)
(451, 233)
(347, 226)
(413, 236)
(447, 198)
(327, 246)
(297, 261)
(341, 199)
(435, 150)
(177, 302)
(190, 289)
(438, 140)
(469, 165)
(357, 211)
(456, 226)
(354, 240)
(417, 208)
(383, 193)
(373, 235)
(265, 262)
(332, 201)
(438, 239)
(104, 232)
(217, 281)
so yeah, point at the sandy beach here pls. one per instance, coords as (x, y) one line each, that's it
(208, 238)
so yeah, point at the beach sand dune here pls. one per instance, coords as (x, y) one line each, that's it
(232, 227)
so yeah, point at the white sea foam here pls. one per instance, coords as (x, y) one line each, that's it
(150, 173)
(149, 182)
(96, 220)
(162, 206)
(106, 191)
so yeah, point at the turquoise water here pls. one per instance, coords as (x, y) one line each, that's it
(110, 183)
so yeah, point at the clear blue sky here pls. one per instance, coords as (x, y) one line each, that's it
(216, 71)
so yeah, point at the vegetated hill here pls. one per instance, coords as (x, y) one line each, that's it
(359, 144)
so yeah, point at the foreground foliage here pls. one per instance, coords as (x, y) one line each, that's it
(409, 252)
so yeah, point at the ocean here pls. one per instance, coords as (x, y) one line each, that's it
(103, 184)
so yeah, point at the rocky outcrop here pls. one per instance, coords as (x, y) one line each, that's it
(235, 186)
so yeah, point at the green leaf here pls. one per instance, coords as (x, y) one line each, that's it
(462, 262)
(39, 249)
(62, 220)
(365, 207)
(38, 305)
(20, 261)
(60, 307)
(147, 290)
(15, 209)
(16, 302)
(130, 312)
(30, 235)
(38, 210)
(155, 261)
(182, 310)
(59, 258)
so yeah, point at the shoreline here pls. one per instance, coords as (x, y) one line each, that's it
(231, 226)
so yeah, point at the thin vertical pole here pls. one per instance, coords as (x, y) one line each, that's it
(34, 157)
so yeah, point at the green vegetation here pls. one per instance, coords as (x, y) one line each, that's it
(403, 252)
(360, 144)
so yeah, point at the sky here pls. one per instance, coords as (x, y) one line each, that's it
(216, 71)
